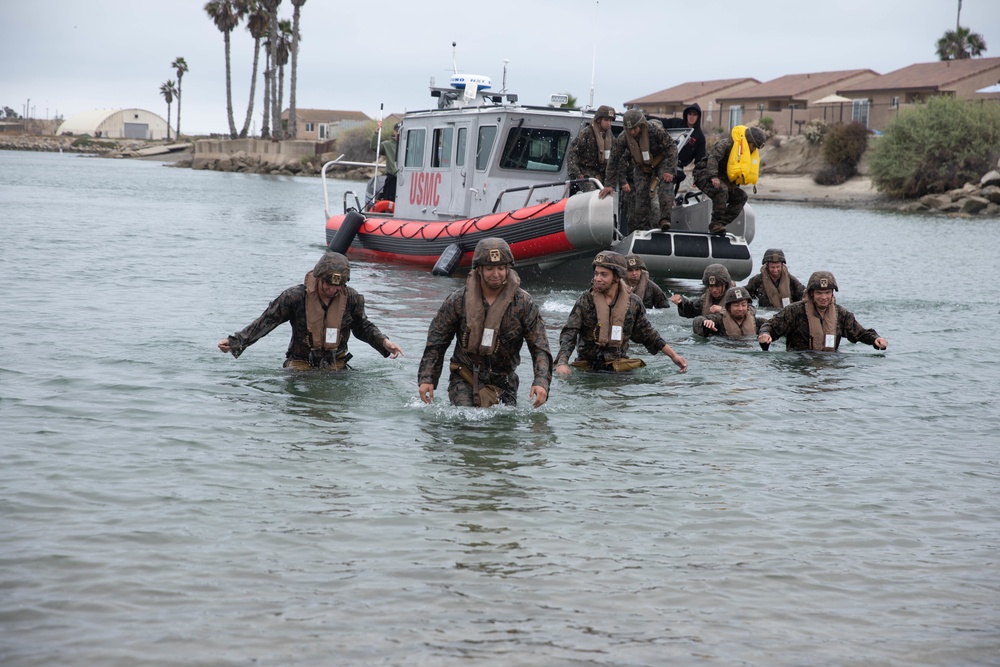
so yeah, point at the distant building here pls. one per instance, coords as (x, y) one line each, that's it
(876, 101)
(116, 124)
(672, 101)
(788, 100)
(323, 124)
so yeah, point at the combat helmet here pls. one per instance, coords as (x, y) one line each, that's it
(716, 274)
(611, 260)
(633, 118)
(734, 294)
(332, 268)
(604, 111)
(822, 280)
(774, 255)
(756, 136)
(633, 261)
(492, 251)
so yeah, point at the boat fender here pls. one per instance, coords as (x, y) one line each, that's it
(448, 261)
(345, 234)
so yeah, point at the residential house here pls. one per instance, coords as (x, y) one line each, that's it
(673, 101)
(877, 101)
(789, 100)
(323, 124)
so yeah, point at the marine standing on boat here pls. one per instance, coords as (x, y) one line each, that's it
(492, 317)
(590, 151)
(694, 149)
(716, 280)
(736, 320)
(818, 322)
(711, 175)
(604, 320)
(637, 277)
(774, 286)
(324, 312)
(389, 149)
(652, 154)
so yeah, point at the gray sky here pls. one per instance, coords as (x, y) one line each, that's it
(69, 56)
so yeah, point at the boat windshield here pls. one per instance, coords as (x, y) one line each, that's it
(535, 149)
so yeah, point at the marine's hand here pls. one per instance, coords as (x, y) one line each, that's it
(716, 182)
(224, 345)
(715, 309)
(563, 369)
(605, 192)
(426, 391)
(539, 395)
(392, 349)
(880, 343)
(626, 188)
(765, 339)
(668, 178)
(708, 324)
(682, 364)
(676, 299)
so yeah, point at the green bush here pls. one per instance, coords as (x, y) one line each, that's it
(936, 147)
(356, 143)
(843, 147)
(815, 131)
(766, 123)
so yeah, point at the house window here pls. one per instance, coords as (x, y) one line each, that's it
(735, 116)
(323, 130)
(859, 111)
(484, 146)
(414, 148)
(310, 127)
(894, 102)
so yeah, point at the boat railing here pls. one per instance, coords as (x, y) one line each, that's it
(339, 162)
(565, 185)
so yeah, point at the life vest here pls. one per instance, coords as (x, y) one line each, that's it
(743, 164)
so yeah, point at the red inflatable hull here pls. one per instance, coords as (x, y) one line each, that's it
(535, 233)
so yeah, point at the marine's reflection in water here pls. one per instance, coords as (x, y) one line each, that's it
(478, 481)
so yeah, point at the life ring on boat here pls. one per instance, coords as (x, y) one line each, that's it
(384, 206)
(348, 230)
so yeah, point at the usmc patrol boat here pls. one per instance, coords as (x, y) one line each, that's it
(481, 164)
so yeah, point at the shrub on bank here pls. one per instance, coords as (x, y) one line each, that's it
(355, 143)
(936, 147)
(843, 146)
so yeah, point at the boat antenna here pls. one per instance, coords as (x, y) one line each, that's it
(454, 62)
(593, 67)
(378, 146)
(503, 89)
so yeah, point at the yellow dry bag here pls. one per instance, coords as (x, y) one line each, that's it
(743, 164)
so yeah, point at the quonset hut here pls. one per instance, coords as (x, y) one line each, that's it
(116, 124)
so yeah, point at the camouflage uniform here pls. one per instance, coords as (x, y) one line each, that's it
(580, 332)
(756, 288)
(792, 323)
(728, 199)
(522, 323)
(290, 306)
(583, 160)
(654, 296)
(644, 214)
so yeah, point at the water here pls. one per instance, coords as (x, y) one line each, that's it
(165, 504)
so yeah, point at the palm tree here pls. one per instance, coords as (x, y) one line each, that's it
(168, 90)
(257, 24)
(272, 38)
(226, 16)
(960, 44)
(181, 66)
(284, 50)
(570, 102)
(292, 125)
